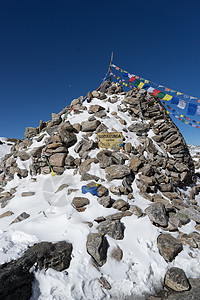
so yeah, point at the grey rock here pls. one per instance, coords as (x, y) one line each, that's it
(15, 276)
(57, 159)
(118, 171)
(136, 210)
(67, 137)
(120, 204)
(112, 228)
(102, 191)
(78, 202)
(168, 246)
(157, 214)
(62, 187)
(97, 246)
(191, 213)
(23, 155)
(105, 201)
(90, 125)
(117, 254)
(104, 282)
(27, 194)
(20, 218)
(135, 163)
(86, 176)
(30, 132)
(176, 279)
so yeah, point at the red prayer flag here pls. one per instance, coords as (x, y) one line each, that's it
(132, 79)
(117, 68)
(156, 92)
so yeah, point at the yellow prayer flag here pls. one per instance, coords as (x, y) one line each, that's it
(167, 97)
(146, 81)
(186, 122)
(141, 85)
(181, 116)
(167, 112)
(178, 93)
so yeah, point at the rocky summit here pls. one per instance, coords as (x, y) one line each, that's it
(126, 214)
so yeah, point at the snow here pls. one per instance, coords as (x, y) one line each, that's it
(52, 218)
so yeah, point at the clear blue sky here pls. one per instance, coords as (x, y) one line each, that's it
(54, 51)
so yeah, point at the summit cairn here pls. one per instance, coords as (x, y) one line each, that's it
(149, 166)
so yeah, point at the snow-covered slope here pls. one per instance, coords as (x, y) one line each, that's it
(53, 218)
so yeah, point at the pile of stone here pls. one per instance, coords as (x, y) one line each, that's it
(159, 166)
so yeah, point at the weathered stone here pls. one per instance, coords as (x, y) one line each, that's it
(36, 152)
(66, 126)
(102, 191)
(180, 167)
(191, 213)
(135, 163)
(119, 215)
(105, 201)
(85, 166)
(69, 161)
(120, 204)
(30, 132)
(196, 238)
(20, 218)
(6, 214)
(186, 239)
(95, 108)
(128, 147)
(166, 187)
(27, 194)
(97, 246)
(115, 190)
(117, 254)
(157, 214)
(68, 138)
(61, 187)
(117, 171)
(112, 228)
(23, 155)
(86, 176)
(80, 202)
(54, 145)
(104, 282)
(136, 210)
(148, 180)
(57, 159)
(90, 125)
(16, 277)
(176, 279)
(168, 246)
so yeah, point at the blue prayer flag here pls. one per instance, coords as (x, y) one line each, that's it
(192, 108)
(174, 100)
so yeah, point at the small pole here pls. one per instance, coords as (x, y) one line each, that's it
(111, 61)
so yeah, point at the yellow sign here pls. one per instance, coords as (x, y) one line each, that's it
(110, 139)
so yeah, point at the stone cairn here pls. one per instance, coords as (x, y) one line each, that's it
(160, 166)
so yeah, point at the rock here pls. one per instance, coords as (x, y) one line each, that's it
(27, 194)
(104, 282)
(90, 125)
(148, 180)
(6, 214)
(192, 294)
(102, 191)
(127, 182)
(119, 215)
(79, 202)
(176, 279)
(168, 246)
(136, 210)
(23, 155)
(157, 214)
(117, 254)
(30, 132)
(57, 159)
(62, 187)
(97, 246)
(87, 176)
(115, 190)
(166, 187)
(186, 239)
(128, 147)
(117, 171)
(105, 201)
(135, 163)
(21, 217)
(85, 166)
(66, 126)
(196, 238)
(95, 108)
(68, 138)
(112, 228)
(95, 94)
(120, 204)
(191, 213)
(36, 152)
(16, 277)
(69, 161)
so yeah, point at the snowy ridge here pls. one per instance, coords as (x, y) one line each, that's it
(53, 218)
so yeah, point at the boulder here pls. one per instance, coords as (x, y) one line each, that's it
(90, 125)
(176, 280)
(117, 254)
(97, 246)
(112, 228)
(135, 163)
(157, 214)
(168, 246)
(79, 202)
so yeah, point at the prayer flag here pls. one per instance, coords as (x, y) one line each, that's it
(178, 93)
(132, 79)
(181, 104)
(167, 97)
(141, 85)
(161, 95)
(198, 110)
(146, 81)
(192, 108)
(167, 90)
(174, 100)
(156, 92)
(150, 90)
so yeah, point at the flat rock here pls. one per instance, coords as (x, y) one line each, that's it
(27, 194)
(117, 171)
(57, 159)
(80, 202)
(20, 218)
(90, 125)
